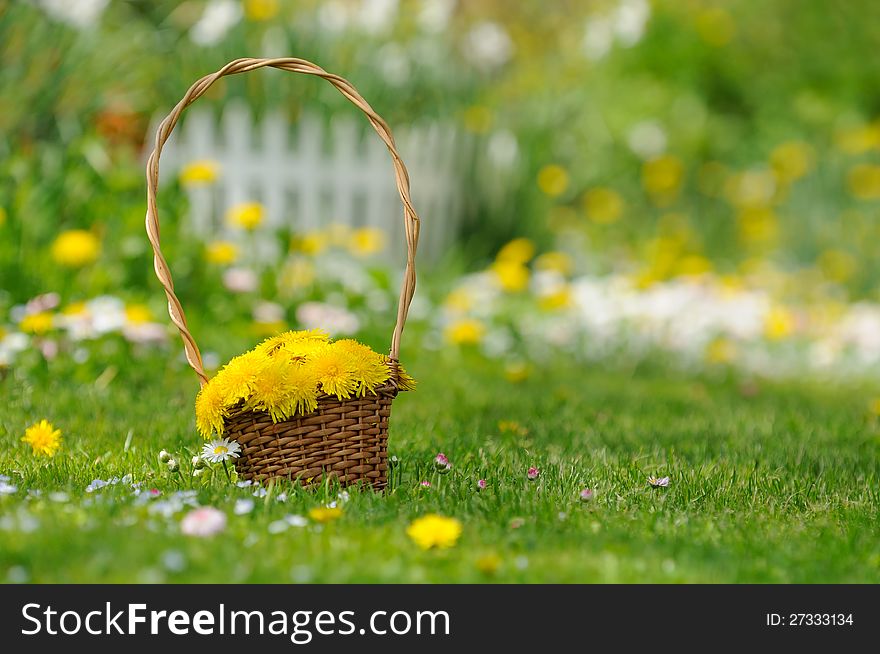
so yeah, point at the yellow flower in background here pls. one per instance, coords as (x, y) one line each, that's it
(221, 253)
(693, 265)
(511, 276)
(603, 205)
(43, 438)
(459, 301)
(36, 323)
(366, 241)
(478, 119)
(297, 273)
(792, 160)
(720, 350)
(553, 180)
(138, 314)
(465, 332)
(199, 173)
(324, 514)
(76, 248)
(858, 139)
(758, 226)
(558, 262)
(662, 178)
(874, 406)
(488, 564)
(519, 250)
(751, 189)
(838, 265)
(715, 26)
(313, 242)
(863, 181)
(434, 531)
(261, 10)
(517, 372)
(248, 215)
(556, 300)
(779, 323)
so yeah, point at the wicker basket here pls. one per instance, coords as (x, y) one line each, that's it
(342, 439)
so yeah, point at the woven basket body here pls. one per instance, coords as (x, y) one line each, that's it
(345, 440)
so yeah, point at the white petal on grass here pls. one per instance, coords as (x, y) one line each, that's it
(243, 507)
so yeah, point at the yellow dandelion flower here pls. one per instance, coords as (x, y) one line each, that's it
(235, 381)
(558, 262)
(553, 180)
(76, 248)
(459, 301)
(269, 388)
(261, 10)
(335, 371)
(325, 514)
(662, 178)
(221, 253)
(792, 160)
(779, 323)
(248, 215)
(720, 350)
(519, 251)
(488, 564)
(293, 339)
(210, 410)
(465, 332)
(310, 243)
(138, 314)
(368, 367)
(301, 384)
(199, 173)
(512, 277)
(863, 181)
(604, 206)
(366, 241)
(434, 531)
(555, 300)
(36, 323)
(43, 438)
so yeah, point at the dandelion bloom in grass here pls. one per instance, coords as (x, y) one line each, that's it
(43, 438)
(76, 248)
(248, 216)
(533, 473)
(658, 482)
(465, 332)
(37, 323)
(221, 253)
(220, 450)
(366, 241)
(434, 531)
(261, 10)
(199, 173)
(324, 514)
(586, 495)
(203, 522)
(488, 564)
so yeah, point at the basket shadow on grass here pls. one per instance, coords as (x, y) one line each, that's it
(781, 486)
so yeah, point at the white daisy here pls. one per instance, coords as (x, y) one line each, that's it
(220, 450)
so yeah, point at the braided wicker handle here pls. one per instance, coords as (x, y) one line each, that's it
(410, 218)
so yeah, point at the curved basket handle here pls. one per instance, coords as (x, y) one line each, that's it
(410, 218)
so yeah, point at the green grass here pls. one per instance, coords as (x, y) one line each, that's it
(778, 486)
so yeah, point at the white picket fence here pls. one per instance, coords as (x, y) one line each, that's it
(308, 176)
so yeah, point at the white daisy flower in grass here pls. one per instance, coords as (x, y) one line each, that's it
(220, 450)
(658, 482)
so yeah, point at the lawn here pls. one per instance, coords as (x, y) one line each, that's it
(768, 483)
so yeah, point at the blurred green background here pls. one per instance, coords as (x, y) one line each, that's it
(656, 139)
